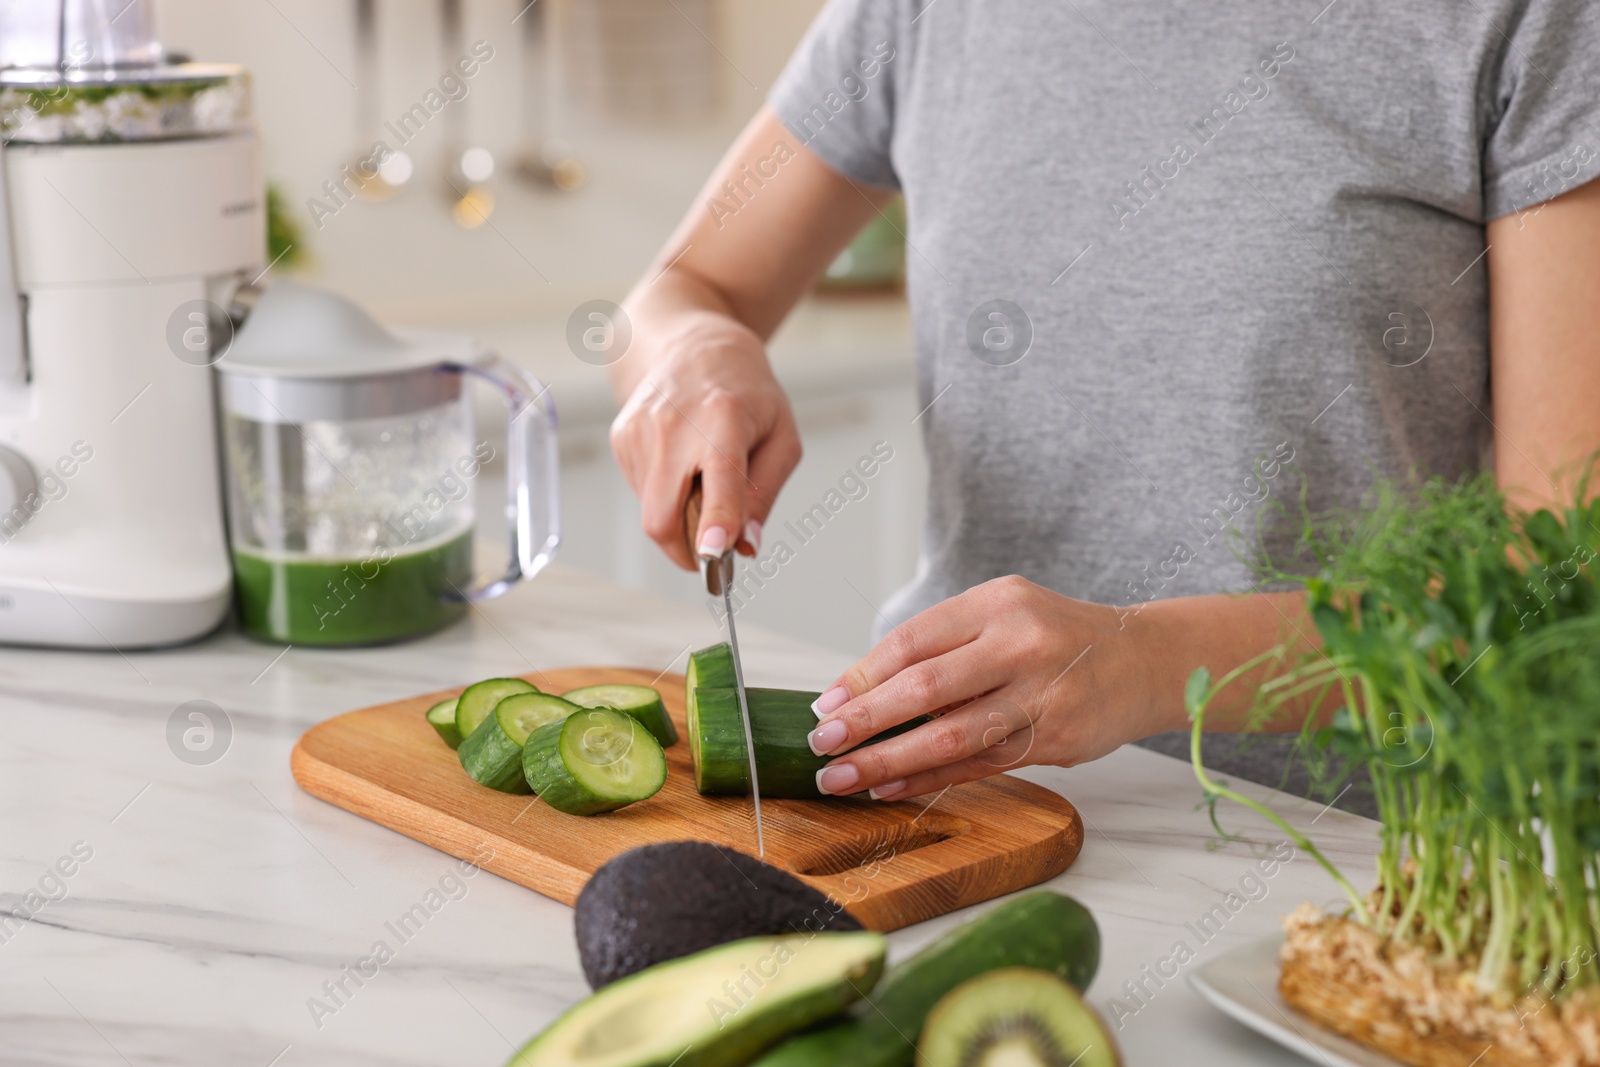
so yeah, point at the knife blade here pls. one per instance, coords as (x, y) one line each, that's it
(717, 572)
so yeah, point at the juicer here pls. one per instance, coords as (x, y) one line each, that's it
(131, 209)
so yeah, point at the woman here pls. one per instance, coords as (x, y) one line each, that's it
(1165, 262)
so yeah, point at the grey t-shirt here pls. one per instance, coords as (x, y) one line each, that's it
(1171, 263)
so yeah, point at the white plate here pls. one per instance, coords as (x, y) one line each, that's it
(1243, 983)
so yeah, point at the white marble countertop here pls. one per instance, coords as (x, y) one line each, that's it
(217, 899)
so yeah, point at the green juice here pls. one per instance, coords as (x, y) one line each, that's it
(303, 600)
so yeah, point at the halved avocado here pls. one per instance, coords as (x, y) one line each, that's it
(658, 902)
(717, 1008)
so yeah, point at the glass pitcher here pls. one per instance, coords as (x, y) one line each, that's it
(351, 463)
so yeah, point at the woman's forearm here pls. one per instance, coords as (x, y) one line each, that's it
(1221, 633)
(699, 399)
(1544, 376)
(753, 257)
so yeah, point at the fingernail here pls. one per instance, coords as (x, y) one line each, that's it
(831, 701)
(836, 778)
(827, 737)
(752, 533)
(888, 790)
(713, 542)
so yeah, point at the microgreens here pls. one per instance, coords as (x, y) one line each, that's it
(1461, 649)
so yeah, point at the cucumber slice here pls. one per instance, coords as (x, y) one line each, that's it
(709, 668)
(1018, 1016)
(597, 760)
(493, 754)
(640, 701)
(1041, 929)
(717, 1008)
(477, 701)
(442, 717)
(781, 719)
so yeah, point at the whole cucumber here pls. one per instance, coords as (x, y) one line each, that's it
(1041, 929)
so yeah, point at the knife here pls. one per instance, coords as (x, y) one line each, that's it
(717, 571)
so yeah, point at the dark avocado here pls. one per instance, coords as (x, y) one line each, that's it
(660, 902)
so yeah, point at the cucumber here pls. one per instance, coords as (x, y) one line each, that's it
(597, 760)
(717, 1008)
(780, 719)
(492, 756)
(709, 668)
(640, 701)
(1041, 929)
(442, 717)
(477, 701)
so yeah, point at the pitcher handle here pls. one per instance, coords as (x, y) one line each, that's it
(533, 492)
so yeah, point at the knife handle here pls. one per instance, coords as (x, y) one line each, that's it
(691, 515)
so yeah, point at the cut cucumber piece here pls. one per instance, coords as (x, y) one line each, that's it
(493, 754)
(1015, 1017)
(717, 1008)
(442, 717)
(780, 719)
(709, 668)
(477, 701)
(640, 701)
(597, 760)
(1042, 929)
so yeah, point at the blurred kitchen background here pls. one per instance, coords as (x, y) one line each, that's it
(602, 119)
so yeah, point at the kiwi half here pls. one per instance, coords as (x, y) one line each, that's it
(1015, 1017)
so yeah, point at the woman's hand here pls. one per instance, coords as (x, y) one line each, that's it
(697, 391)
(1017, 674)
(711, 405)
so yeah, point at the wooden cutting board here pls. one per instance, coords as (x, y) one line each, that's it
(890, 864)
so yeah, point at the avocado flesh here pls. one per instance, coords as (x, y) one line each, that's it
(660, 902)
(717, 1008)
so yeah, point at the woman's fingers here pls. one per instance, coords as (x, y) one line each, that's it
(662, 499)
(973, 769)
(923, 688)
(673, 449)
(945, 626)
(723, 483)
(770, 466)
(710, 406)
(993, 731)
